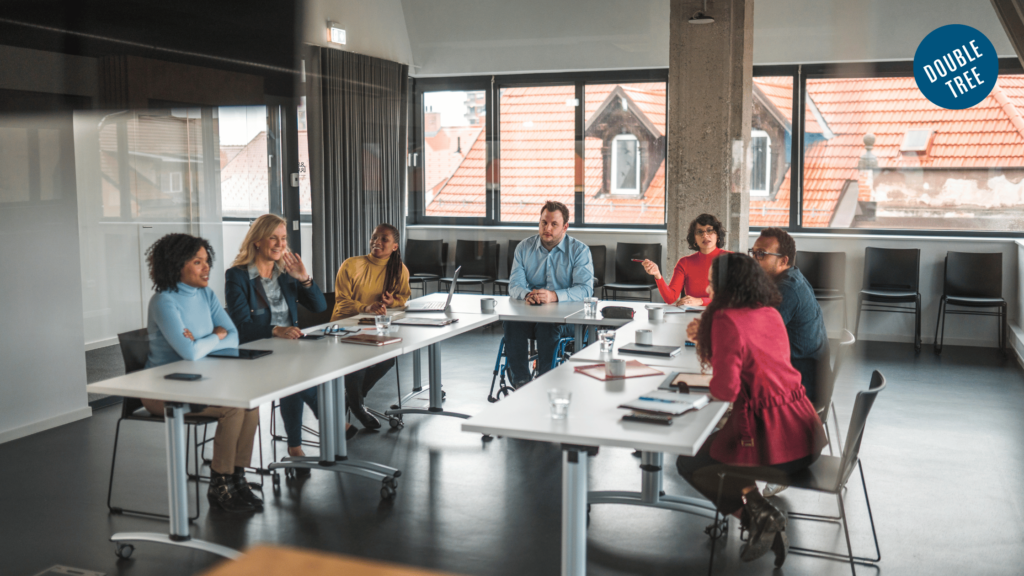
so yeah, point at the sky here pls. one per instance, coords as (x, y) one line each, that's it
(239, 124)
(451, 105)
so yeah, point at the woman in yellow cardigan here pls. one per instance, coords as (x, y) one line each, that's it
(370, 285)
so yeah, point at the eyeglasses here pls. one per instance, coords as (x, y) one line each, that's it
(760, 254)
(708, 232)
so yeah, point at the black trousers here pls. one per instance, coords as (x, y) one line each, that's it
(359, 383)
(701, 472)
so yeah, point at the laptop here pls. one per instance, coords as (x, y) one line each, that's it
(445, 306)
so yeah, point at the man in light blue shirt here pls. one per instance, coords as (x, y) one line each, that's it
(549, 267)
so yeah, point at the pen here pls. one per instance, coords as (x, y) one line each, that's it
(636, 260)
(649, 399)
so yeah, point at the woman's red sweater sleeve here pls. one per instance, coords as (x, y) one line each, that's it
(670, 292)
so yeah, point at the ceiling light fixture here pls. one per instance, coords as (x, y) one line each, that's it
(701, 17)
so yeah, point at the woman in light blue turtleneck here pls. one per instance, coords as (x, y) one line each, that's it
(186, 322)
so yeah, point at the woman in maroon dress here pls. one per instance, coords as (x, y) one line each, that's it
(773, 430)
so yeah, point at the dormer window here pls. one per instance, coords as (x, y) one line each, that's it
(761, 163)
(625, 165)
(916, 142)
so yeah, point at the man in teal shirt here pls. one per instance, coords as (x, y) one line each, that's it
(549, 267)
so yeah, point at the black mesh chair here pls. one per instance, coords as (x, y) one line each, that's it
(600, 256)
(826, 273)
(425, 262)
(891, 279)
(972, 281)
(479, 262)
(501, 286)
(135, 351)
(829, 475)
(308, 319)
(630, 276)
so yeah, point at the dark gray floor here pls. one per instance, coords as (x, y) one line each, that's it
(942, 454)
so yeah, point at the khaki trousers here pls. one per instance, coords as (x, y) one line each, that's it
(232, 443)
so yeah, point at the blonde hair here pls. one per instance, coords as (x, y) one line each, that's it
(259, 230)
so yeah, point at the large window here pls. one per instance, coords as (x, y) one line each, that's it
(244, 161)
(454, 154)
(880, 155)
(771, 136)
(538, 150)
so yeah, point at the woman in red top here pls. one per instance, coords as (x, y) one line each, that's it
(773, 430)
(690, 277)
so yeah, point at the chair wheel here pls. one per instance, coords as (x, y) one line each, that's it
(487, 438)
(444, 395)
(123, 551)
(387, 492)
(396, 407)
(275, 479)
(396, 423)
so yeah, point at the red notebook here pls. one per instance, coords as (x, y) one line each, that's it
(370, 339)
(634, 369)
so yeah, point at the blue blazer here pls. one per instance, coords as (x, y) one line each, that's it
(249, 307)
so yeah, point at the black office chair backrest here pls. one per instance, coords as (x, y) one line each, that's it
(600, 256)
(511, 256)
(823, 399)
(444, 256)
(135, 352)
(307, 318)
(477, 258)
(861, 409)
(423, 257)
(823, 270)
(892, 269)
(629, 272)
(974, 275)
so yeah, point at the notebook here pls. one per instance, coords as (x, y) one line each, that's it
(239, 354)
(648, 350)
(634, 369)
(662, 402)
(370, 339)
(680, 382)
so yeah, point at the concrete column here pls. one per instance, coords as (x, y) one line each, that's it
(709, 85)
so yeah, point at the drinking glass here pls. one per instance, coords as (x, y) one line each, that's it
(559, 403)
(383, 324)
(607, 340)
(590, 307)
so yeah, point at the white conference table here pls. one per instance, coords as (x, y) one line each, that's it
(594, 420)
(664, 333)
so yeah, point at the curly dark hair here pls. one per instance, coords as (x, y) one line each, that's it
(745, 285)
(168, 255)
(705, 220)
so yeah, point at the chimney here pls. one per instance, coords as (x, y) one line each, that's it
(431, 123)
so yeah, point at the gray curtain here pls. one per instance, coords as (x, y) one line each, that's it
(358, 109)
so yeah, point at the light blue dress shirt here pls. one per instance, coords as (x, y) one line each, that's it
(567, 269)
(197, 309)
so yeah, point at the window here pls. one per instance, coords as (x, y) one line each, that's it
(305, 192)
(760, 162)
(771, 137)
(244, 161)
(170, 182)
(879, 155)
(625, 165)
(624, 148)
(454, 154)
(538, 150)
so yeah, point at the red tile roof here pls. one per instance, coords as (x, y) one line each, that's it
(244, 180)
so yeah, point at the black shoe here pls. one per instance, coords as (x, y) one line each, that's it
(781, 548)
(224, 495)
(351, 431)
(364, 417)
(765, 522)
(245, 491)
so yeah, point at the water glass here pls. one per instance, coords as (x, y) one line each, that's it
(559, 403)
(383, 324)
(607, 340)
(590, 307)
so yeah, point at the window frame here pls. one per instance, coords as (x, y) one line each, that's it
(765, 192)
(492, 85)
(614, 188)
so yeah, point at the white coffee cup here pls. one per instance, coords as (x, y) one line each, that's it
(487, 305)
(615, 368)
(656, 313)
(644, 337)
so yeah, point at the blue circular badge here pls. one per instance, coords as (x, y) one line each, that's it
(956, 67)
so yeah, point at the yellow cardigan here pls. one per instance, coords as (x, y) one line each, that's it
(360, 282)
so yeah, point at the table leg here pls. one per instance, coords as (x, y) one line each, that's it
(177, 483)
(578, 337)
(650, 494)
(334, 445)
(574, 511)
(436, 407)
(417, 380)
